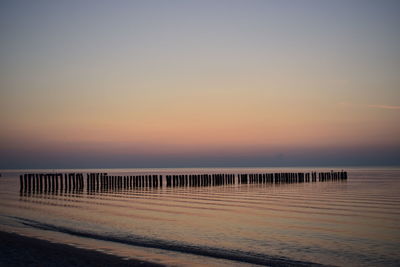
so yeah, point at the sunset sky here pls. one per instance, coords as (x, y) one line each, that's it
(199, 83)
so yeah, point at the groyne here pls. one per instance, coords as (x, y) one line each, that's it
(51, 182)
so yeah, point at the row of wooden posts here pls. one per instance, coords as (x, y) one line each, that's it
(44, 182)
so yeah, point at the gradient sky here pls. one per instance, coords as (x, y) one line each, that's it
(199, 83)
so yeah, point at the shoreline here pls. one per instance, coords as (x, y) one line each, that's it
(18, 250)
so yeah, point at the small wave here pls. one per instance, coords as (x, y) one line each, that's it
(234, 255)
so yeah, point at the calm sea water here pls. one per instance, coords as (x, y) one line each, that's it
(350, 223)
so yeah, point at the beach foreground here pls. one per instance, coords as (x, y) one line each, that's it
(17, 250)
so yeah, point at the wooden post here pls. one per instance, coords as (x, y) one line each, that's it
(21, 183)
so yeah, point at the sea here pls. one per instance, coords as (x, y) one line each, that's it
(355, 222)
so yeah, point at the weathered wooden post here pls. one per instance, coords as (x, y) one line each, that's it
(36, 182)
(81, 181)
(169, 180)
(31, 183)
(56, 181)
(21, 183)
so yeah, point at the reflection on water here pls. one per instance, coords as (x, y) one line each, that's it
(353, 222)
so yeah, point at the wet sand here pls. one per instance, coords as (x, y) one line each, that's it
(17, 250)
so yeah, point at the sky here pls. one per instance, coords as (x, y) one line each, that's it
(91, 84)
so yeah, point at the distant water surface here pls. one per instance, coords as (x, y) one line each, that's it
(341, 223)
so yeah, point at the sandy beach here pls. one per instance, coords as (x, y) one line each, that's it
(17, 250)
